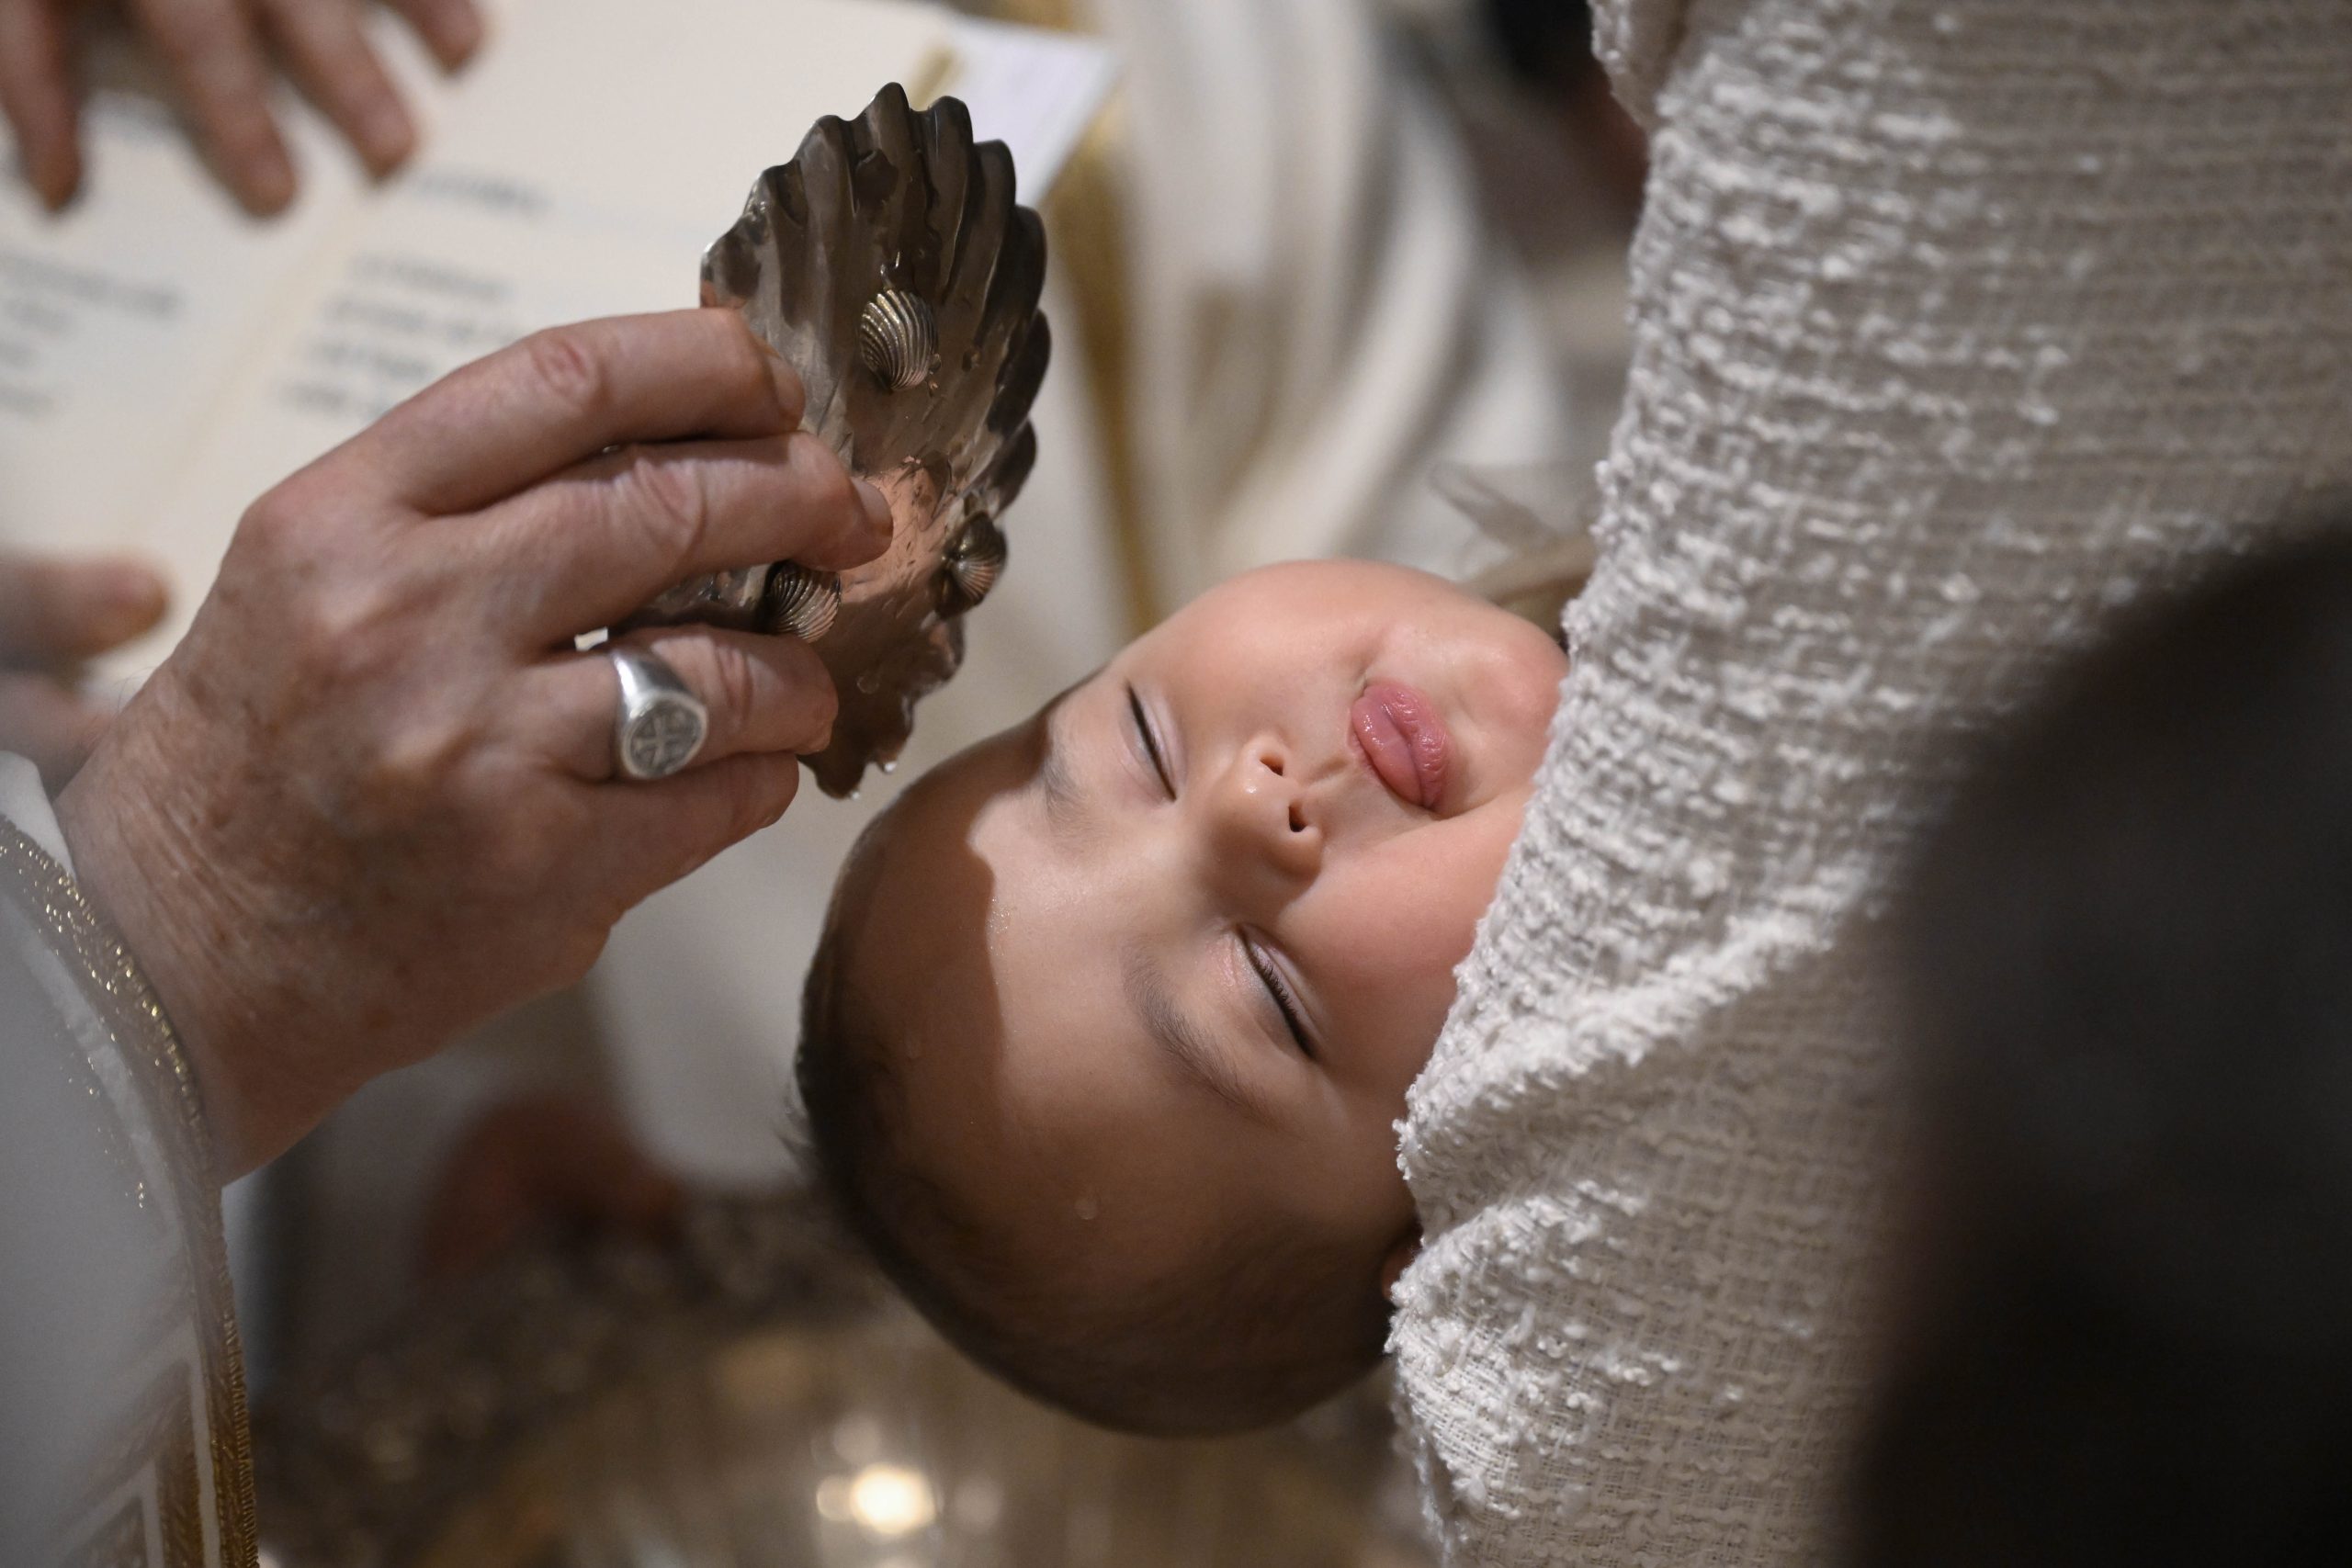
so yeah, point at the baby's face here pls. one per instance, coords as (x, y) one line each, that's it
(1162, 963)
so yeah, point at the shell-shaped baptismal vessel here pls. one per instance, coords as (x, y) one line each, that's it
(890, 265)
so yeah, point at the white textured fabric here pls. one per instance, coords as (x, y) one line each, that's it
(1956, 322)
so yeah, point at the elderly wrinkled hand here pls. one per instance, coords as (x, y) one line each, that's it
(55, 612)
(372, 798)
(219, 54)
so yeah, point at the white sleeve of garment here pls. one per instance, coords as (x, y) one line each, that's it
(24, 802)
(1957, 321)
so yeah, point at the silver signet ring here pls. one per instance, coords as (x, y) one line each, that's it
(659, 725)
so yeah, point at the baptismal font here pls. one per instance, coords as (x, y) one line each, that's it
(746, 1395)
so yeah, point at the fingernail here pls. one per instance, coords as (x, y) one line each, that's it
(790, 389)
(129, 599)
(269, 181)
(877, 505)
(457, 33)
(388, 136)
(53, 174)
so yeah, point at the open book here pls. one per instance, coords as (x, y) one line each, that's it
(164, 360)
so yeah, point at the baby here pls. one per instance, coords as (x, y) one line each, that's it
(1109, 1035)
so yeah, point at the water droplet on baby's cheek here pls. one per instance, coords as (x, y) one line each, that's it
(1087, 1207)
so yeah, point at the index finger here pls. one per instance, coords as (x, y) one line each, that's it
(495, 427)
(56, 610)
(598, 542)
(216, 57)
(36, 94)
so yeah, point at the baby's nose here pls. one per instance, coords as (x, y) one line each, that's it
(1262, 816)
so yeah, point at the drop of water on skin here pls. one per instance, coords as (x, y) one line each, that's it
(1087, 1207)
(869, 683)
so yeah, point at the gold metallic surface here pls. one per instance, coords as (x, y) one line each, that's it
(748, 1397)
(1086, 217)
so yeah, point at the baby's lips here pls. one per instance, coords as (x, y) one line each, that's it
(1405, 741)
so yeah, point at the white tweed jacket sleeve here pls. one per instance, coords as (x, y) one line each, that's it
(1957, 321)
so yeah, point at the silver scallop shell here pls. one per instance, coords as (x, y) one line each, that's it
(972, 566)
(801, 601)
(835, 250)
(897, 336)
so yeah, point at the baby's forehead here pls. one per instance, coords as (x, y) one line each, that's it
(942, 805)
(916, 895)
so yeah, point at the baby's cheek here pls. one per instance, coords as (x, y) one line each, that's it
(1389, 953)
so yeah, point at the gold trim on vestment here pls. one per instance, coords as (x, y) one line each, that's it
(162, 1434)
(1086, 220)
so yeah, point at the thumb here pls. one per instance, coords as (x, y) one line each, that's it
(55, 610)
(40, 718)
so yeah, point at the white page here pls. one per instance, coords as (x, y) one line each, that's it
(1037, 92)
(122, 320)
(580, 172)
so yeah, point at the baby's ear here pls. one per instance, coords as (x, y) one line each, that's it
(1392, 1267)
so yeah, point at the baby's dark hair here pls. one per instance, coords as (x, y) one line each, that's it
(1276, 1325)
(2127, 955)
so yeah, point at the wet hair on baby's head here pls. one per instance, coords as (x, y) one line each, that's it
(1271, 1325)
